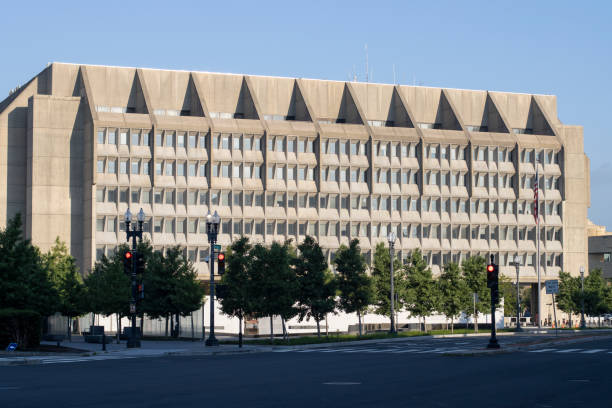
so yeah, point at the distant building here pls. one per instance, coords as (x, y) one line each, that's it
(594, 230)
(449, 171)
(600, 254)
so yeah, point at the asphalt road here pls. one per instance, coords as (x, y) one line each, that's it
(546, 376)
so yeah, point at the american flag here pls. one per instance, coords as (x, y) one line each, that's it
(535, 197)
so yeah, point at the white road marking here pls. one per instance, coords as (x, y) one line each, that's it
(542, 350)
(342, 383)
(592, 351)
(567, 351)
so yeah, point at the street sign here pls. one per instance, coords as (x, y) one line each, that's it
(217, 247)
(552, 287)
(11, 347)
(132, 308)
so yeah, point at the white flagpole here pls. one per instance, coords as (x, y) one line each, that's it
(537, 206)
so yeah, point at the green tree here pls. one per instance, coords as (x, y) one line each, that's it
(317, 286)
(595, 287)
(108, 287)
(475, 275)
(236, 282)
(275, 283)
(569, 297)
(67, 281)
(507, 291)
(355, 286)
(24, 281)
(171, 287)
(381, 276)
(422, 296)
(454, 293)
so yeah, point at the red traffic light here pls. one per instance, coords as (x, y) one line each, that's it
(490, 268)
(221, 257)
(128, 255)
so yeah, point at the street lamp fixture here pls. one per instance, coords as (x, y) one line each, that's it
(391, 239)
(212, 230)
(582, 321)
(517, 264)
(136, 235)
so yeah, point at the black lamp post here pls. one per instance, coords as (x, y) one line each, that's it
(212, 230)
(391, 239)
(582, 321)
(135, 233)
(517, 264)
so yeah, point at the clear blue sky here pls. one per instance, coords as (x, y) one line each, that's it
(552, 47)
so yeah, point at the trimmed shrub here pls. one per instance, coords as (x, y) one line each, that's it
(23, 327)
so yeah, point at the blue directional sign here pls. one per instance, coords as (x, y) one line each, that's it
(217, 247)
(11, 347)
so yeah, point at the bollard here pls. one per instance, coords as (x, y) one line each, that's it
(103, 342)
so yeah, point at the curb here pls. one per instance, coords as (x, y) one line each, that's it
(526, 347)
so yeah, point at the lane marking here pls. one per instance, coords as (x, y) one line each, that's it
(592, 351)
(429, 351)
(342, 383)
(567, 351)
(542, 350)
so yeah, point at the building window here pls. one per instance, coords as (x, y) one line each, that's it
(112, 166)
(101, 136)
(100, 166)
(123, 139)
(169, 139)
(135, 137)
(135, 167)
(110, 224)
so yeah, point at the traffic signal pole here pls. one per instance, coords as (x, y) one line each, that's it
(493, 283)
(135, 234)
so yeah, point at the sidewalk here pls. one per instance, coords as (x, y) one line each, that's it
(156, 348)
(149, 348)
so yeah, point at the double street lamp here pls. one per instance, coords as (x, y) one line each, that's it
(582, 321)
(517, 264)
(212, 230)
(135, 233)
(391, 238)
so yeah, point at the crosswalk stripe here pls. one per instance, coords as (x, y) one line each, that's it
(429, 351)
(542, 350)
(567, 351)
(592, 351)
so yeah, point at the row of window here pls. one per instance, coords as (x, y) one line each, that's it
(124, 166)
(286, 144)
(135, 137)
(172, 225)
(329, 174)
(173, 196)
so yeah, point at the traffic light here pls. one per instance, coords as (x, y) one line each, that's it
(127, 262)
(221, 263)
(492, 275)
(141, 291)
(140, 264)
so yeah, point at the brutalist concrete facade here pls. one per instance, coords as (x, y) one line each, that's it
(450, 171)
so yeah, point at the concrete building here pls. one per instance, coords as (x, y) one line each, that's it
(450, 171)
(600, 254)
